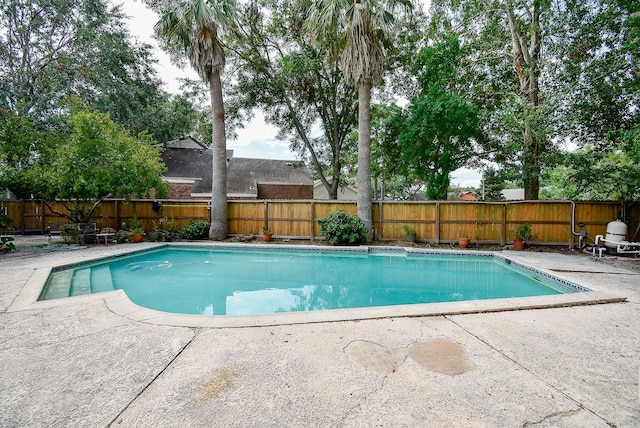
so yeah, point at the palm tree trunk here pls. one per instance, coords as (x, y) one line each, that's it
(218, 229)
(364, 157)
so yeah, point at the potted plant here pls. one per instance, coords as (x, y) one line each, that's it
(155, 234)
(137, 234)
(266, 234)
(410, 233)
(464, 242)
(523, 234)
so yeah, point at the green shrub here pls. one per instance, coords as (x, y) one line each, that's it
(69, 232)
(341, 228)
(196, 230)
(6, 244)
(123, 236)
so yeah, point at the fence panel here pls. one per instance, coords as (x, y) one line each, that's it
(417, 215)
(550, 220)
(245, 217)
(292, 219)
(434, 221)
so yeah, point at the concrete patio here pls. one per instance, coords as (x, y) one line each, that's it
(79, 364)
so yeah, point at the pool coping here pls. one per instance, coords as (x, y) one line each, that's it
(118, 302)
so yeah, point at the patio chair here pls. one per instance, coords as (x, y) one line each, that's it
(85, 230)
(106, 234)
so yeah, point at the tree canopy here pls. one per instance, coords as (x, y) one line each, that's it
(544, 95)
(95, 159)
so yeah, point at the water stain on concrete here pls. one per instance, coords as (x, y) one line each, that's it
(442, 355)
(376, 357)
(439, 355)
(222, 379)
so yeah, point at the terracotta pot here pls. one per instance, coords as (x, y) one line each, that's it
(464, 242)
(267, 237)
(137, 237)
(518, 244)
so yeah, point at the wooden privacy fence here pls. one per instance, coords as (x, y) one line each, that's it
(552, 222)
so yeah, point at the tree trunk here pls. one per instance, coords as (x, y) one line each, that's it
(364, 158)
(218, 229)
(527, 67)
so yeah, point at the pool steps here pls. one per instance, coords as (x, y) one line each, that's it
(93, 279)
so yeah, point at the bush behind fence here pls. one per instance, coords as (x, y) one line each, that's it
(552, 222)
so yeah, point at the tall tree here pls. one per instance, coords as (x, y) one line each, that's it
(195, 26)
(556, 71)
(439, 126)
(51, 51)
(40, 42)
(526, 29)
(361, 26)
(92, 158)
(279, 71)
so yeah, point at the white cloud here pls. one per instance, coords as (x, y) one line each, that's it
(465, 177)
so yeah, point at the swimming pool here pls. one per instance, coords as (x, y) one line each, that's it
(248, 281)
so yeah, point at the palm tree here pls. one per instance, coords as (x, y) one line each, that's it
(357, 29)
(195, 26)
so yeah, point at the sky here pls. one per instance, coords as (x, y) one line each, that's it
(257, 139)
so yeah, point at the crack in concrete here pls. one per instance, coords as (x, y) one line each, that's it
(550, 385)
(117, 419)
(552, 416)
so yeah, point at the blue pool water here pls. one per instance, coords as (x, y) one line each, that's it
(240, 281)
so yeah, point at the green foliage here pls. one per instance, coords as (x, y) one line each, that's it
(281, 73)
(69, 232)
(438, 126)
(340, 228)
(196, 230)
(98, 160)
(132, 224)
(123, 236)
(6, 241)
(408, 230)
(523, 232)
(583, 87)
(172, 231)
(5, 222)
(494, 184)
(592, 174)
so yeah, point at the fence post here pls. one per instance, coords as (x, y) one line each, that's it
(380, 220)
(117, 210)
(503, 232)
(313, 220)
(437, 222)
(266, 214)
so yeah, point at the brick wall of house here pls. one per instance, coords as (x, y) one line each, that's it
(285, 191)
(180, 190)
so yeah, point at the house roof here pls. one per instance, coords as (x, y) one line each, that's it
(513, 194)
(468, 196)
(187, 142)
(345, 192)
(243, 174)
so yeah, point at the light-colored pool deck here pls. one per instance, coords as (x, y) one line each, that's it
(98, 360)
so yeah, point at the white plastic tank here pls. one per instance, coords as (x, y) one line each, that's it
(616, 232)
